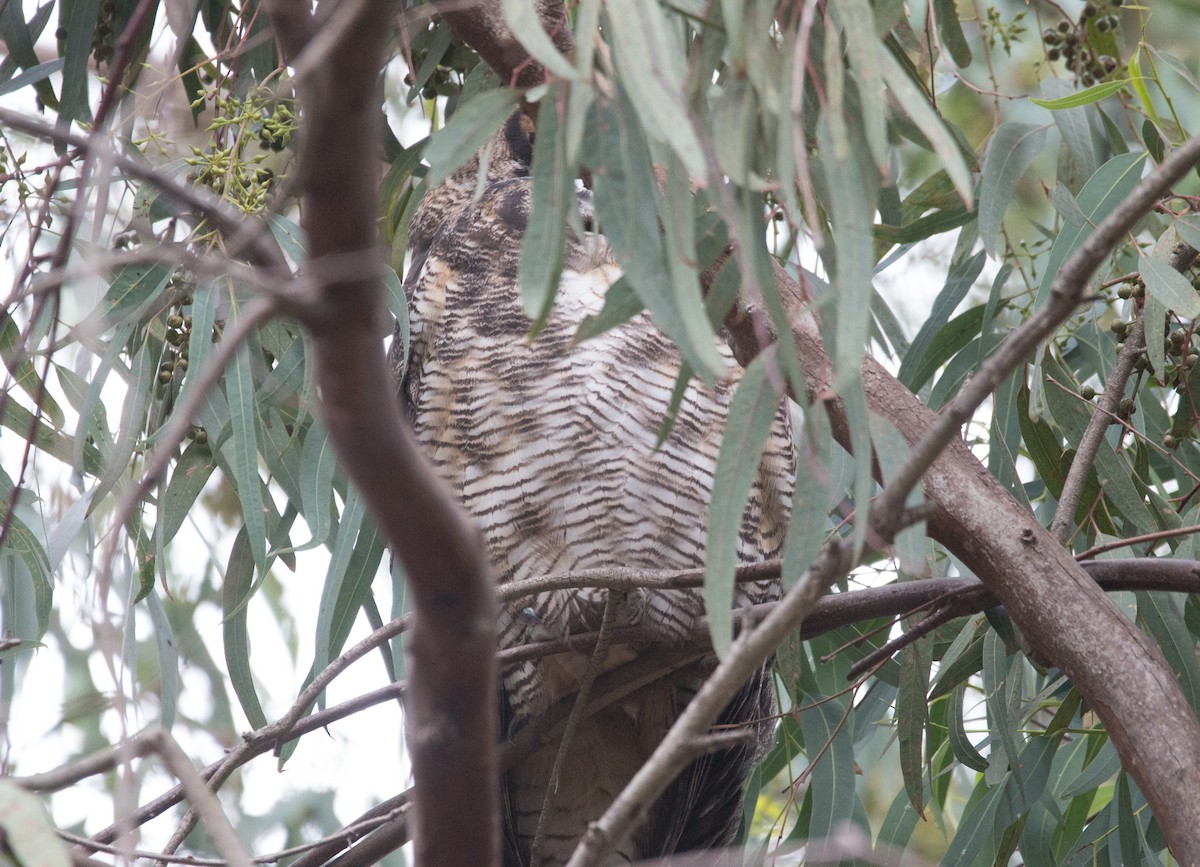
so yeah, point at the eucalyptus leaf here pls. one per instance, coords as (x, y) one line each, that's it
(751, 414)
(1012, 149)
(472, 126)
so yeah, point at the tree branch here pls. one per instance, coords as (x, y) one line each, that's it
(482, 26)
(451, 698)
(745, 656)
(1114, 389)
(1093, 435)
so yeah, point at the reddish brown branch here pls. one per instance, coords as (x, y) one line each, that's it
(481, 25)
(451, 699)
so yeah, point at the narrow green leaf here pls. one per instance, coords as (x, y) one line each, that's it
(525, 24)
(898, 825)
(998, 691)
(1095, 93)
(679, 235)
(809, 523)
(587, 28)
(650, 61)
(974, 839)
(398, 304)
(1100, 770)
(862, 49)
(317, 465)
(30, 591)
(133, 414)
(188, 479)
(289, 236)
(333, 609)
(735, 113)
(34, 75)
(68, 528)
(1111, 183)
(751, 414)
(1139, 87)
(19, 38)
(281, 454)
(1082, 155)
(130, 289)
(1129, 836)
(913, 99)
(914, 369)
(678, 390)
(625, 196)
(921, 228)
(956, 734)
(472, 126)
(25, 375)
(553, 195)
(950, 32)
(1028, 780)
(239, 388)
(168, 661)
(236, 589)
(852, 210)
(912, 716)
(1012, 149)
(826, 722)
(341, 600)
(963, 658)
(77, 52)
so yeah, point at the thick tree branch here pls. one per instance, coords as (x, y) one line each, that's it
(482, 26)
(451, 698)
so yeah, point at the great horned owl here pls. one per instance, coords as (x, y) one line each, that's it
(550, 444)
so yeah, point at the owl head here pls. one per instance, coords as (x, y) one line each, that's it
(508, 155)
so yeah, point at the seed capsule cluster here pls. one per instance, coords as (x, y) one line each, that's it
(1087, 46)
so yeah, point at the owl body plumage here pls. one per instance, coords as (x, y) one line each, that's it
(550, 443)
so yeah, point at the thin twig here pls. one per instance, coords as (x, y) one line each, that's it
(745, 656)
(1093, 435)
(595, 662)
(1137, 540)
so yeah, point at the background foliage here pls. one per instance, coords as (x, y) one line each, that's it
(923, 170)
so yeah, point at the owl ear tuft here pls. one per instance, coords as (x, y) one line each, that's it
(519, 133)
